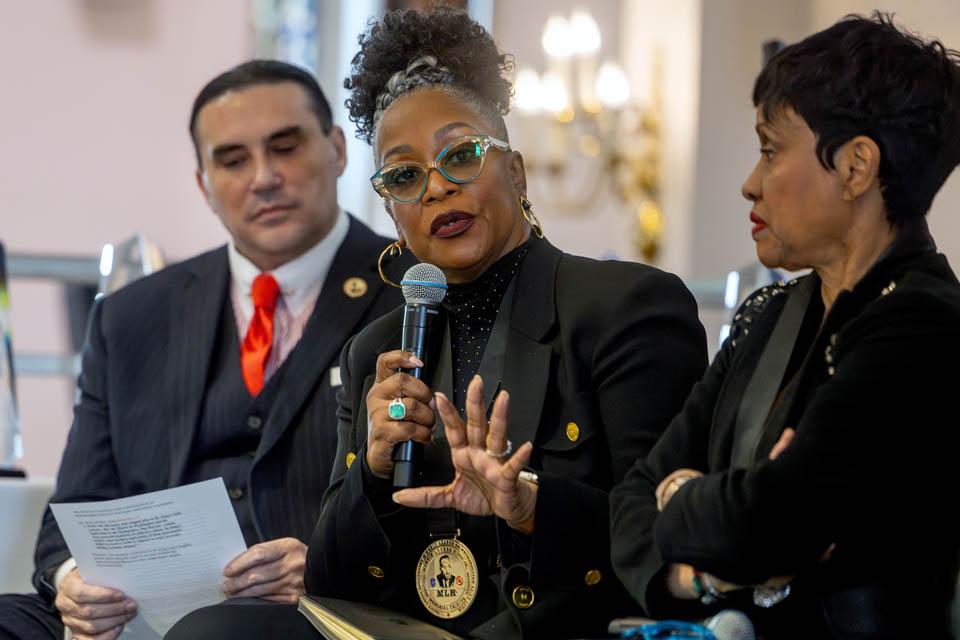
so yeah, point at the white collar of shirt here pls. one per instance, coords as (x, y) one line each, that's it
(300, 279)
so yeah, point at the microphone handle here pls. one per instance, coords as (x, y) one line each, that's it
(407, 455)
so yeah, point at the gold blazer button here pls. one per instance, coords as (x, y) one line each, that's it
(593, 577)
(523, 597)
(350, 458)
(375, 571)
(573, 431)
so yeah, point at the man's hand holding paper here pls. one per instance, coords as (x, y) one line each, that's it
(166, 550)
(270, 570)
(93, 612)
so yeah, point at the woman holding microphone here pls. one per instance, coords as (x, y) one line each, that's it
(553, 373)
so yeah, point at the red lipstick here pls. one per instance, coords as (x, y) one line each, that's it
(451, 224)
(758, 224)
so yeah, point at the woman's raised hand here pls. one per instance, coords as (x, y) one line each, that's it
(487, 480)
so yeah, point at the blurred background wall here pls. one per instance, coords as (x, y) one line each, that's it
(95, 148)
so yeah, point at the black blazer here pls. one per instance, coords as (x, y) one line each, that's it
(871, 469)
(145, 365)
(611, 346)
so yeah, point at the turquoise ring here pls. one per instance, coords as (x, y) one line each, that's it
(396, 409)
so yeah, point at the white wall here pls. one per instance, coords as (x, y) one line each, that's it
(355, 193)
(930, 19)
(732, 33)
(674, 30)
(95, 147)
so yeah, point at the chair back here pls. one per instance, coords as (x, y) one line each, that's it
(21, 507)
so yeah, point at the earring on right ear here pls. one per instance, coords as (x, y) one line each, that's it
(395, 249)
(526, 208)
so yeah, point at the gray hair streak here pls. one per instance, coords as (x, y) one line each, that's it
(422, 71)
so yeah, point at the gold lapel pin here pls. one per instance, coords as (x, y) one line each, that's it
(355, 287)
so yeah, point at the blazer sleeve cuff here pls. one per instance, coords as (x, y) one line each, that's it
(582, 541)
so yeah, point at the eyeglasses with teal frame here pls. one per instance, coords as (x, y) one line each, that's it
(460, 162)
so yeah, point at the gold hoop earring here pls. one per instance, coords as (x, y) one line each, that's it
(526, 208)
(395, 250)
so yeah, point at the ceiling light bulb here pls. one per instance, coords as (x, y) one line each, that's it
(556, 40)
(584, 33)
(613, 88)
(527, 91)
(553, 93)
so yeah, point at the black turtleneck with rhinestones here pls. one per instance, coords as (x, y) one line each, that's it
(472, 309)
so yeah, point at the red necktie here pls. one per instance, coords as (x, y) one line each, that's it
(255, 348)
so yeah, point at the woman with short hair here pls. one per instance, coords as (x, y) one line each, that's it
(814, 462)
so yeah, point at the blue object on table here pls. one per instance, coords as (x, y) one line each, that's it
(669, 629)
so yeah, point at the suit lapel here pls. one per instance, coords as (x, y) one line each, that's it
(193, 334)
(492, 364)
(525, 377)
(526, 364)
(335, 318)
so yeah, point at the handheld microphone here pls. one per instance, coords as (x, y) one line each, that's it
(424, 287)
(730, 624)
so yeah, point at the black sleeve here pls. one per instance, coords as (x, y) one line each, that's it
(848, 462)
(349, 552)
(633, 506)
(88, 470)
(647, 356)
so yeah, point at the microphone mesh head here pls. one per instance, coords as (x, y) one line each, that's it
(424, 284)
(731, 625)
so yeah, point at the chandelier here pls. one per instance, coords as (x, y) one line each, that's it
(585, 132)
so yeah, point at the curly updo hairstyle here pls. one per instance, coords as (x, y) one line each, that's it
(441, 48)
(865, 76)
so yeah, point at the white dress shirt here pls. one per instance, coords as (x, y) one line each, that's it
(300, 282)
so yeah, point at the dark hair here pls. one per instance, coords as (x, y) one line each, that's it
(457, 42)
(864, 76)
(258, 72)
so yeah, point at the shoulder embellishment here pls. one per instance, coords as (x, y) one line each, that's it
(830, 351)
(754, 305)
(828, 355)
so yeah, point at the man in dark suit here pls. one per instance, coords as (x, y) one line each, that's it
(224, 365)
